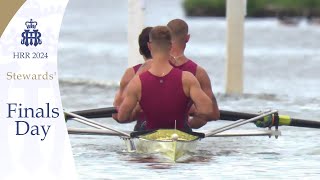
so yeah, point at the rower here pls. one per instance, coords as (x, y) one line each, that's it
(164, 92)
(180, 37)
(130, 72)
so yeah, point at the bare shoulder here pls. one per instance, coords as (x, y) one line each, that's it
(133, 89)
(201, 73)
(145, 67)
(203, 77)
(189, 81)
(126, 78)
(135, 83)
(188, 78)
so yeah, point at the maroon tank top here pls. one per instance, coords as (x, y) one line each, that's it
(189, 66)
(163, 100)
(136, 68)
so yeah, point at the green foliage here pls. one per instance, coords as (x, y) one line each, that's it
(255, 8)
(205, 7)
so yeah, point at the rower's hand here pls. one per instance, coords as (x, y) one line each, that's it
(115, 115)
(267, 121)
(195, 122)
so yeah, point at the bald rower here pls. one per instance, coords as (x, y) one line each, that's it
(180, 37)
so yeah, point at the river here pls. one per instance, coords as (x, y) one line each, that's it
(281, 71)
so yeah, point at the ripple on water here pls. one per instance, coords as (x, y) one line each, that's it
(274, 79)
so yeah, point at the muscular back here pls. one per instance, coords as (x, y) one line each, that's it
(204, 81)
(202, 102)
(163, 100)
(205, 85)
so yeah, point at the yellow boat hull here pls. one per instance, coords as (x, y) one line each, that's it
(161, 143)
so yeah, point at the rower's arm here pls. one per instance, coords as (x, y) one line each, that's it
(127, 110)
(127, 76)
(205, 84)
(203, 104)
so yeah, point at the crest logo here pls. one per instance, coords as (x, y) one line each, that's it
(31, 35)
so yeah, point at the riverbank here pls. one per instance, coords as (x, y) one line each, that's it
(261, 8)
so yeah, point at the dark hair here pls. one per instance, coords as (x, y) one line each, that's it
(143, 42)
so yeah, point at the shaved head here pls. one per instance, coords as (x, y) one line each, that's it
(160, 37)
(179, 29)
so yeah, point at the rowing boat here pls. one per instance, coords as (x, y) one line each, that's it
(172, 144)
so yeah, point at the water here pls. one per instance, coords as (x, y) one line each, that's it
(281, 72)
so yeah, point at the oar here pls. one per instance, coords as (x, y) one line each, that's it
(283, 119)
(224, 115)
(94, 113)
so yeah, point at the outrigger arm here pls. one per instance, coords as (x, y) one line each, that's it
(240, 122)
(95, 124)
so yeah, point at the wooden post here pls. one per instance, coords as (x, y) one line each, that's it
(135, 26)
(235, 37)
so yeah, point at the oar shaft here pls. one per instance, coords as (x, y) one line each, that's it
(224, 115)
(305, 123)
(107, 112)
(95, 113)
(284, 120)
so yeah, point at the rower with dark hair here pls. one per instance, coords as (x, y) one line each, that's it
(180, 36)
(164, 92)
(130, 72)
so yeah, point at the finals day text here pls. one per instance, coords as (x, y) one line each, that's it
(19, 111)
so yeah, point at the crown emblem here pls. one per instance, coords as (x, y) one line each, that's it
(31, 24)
(31, 35)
